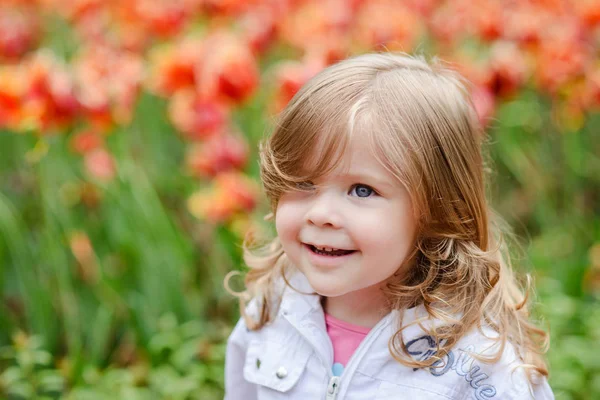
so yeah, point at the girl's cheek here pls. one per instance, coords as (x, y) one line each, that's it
(286, 217)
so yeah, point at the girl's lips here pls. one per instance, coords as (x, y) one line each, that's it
(326, 247)
(326, 260)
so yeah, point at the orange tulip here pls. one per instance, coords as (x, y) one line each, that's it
(82, 250)
(109, 82)
(48, 100)
(562, 56)
(448, 22)
(230, 194)
(387, 23)
(311, 22)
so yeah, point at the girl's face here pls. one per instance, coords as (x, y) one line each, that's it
(361, 210)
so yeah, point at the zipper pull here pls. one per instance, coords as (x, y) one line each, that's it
(333, 387)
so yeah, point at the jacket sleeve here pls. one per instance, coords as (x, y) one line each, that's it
(520, 387)
(236, 387)
(543, 391)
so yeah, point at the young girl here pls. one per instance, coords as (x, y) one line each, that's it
(388, 278)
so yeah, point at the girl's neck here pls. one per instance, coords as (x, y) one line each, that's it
(363, 308)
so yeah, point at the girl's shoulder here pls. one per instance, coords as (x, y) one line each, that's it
(286, 296)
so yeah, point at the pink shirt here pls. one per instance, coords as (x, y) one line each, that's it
(345, 338)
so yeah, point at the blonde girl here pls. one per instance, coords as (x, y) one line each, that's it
(389, 277)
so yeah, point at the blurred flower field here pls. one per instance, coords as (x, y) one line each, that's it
(129, 175)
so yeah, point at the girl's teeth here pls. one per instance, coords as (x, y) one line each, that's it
(325, 248)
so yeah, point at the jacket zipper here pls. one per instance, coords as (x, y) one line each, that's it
(333, 387)
(360, 352)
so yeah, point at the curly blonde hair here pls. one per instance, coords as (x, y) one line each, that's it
(422, 127)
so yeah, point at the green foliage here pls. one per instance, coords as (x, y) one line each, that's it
(27, 371)
(184, 362)
(547, 184)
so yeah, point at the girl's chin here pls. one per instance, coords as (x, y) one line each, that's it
(326, 288)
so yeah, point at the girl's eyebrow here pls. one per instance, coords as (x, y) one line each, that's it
(371, 178)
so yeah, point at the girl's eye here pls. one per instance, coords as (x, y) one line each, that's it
(362, 191)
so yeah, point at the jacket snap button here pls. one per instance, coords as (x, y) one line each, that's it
(281, 373)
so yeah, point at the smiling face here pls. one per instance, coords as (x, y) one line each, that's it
(361, 210)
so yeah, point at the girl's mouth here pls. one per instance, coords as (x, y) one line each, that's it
(328, 251)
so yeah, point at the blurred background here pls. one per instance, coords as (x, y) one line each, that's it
(129, 175)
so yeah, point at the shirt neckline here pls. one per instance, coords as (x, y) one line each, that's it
(363, 330)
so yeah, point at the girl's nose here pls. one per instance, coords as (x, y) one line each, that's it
(324, 211)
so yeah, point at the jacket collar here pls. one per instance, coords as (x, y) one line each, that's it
(302, 301)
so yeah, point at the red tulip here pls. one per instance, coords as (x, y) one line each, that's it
(259, 30)
(488, 21)
(174, 68)
(526, 23)
(163, 18)
(11, 93)
(218, 154)
(228, 70)
(85, 141)
(195, 117)
(589, 12)
(290, 76)
(507, 70)
(227, 8)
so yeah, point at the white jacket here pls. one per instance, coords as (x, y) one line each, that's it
(291, 358)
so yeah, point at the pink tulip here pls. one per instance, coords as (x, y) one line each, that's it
(19, 30)
(100, 164)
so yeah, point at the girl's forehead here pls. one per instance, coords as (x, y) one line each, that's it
(355, 157)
